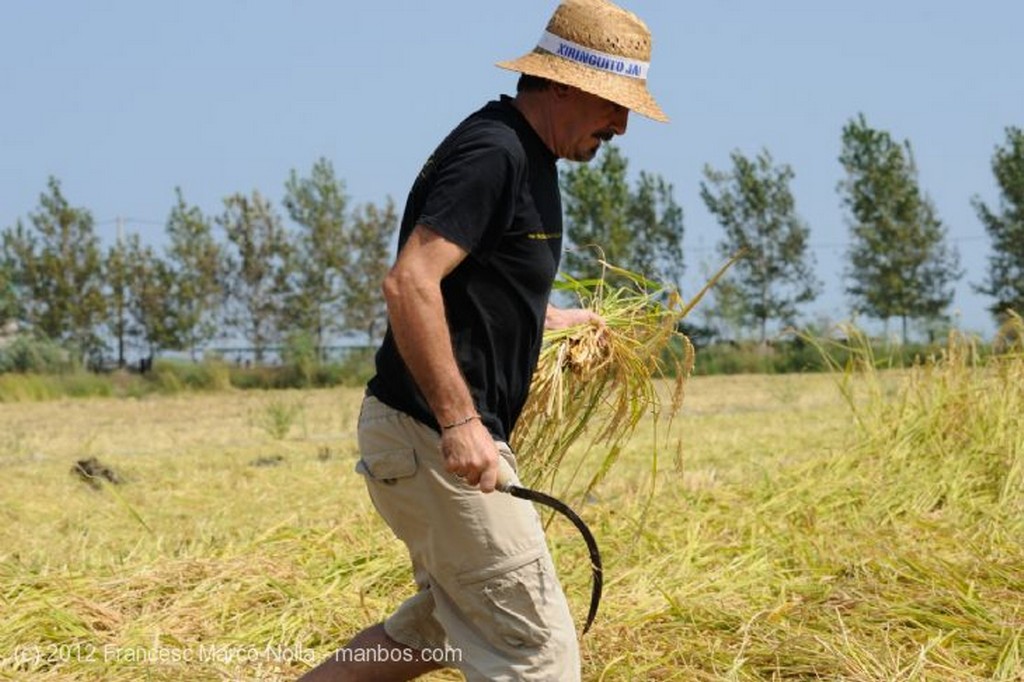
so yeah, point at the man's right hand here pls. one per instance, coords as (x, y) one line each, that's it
(470, 453)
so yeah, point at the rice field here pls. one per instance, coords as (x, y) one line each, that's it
(859, 526)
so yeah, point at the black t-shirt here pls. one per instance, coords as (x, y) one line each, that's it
(492, 188)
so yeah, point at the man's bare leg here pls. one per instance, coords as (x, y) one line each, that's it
(400, 662)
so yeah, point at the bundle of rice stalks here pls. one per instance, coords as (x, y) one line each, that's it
(594, 384)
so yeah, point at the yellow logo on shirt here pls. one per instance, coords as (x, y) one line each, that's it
(544, 235)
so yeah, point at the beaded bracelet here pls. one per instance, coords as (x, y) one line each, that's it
(460, 422)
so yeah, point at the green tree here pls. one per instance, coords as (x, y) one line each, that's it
(140, 292)
(725, 314)
(372, 232)
(320, 253)
(115, 267)
(58, 271)
(9, 308)
(1005, 225)
(256, 268)
(754, 205)
(152, 290)
(900, 264)
(640, 230)
(197, 263)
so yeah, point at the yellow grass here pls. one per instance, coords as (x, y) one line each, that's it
(781, 540)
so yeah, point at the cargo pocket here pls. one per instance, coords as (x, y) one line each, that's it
(509, 608)
(388, 466)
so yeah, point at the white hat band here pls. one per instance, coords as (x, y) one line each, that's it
(595, 59)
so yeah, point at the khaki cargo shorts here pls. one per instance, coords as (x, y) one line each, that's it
(487, 590)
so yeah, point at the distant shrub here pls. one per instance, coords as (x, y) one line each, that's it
(212, 374)
(20, 388)
(356, 368)
(86, 385)
(725, 358)
(255, 377)
(300, 358)
(166, 378)
(17, 387)
(796, 354)
(41, 356)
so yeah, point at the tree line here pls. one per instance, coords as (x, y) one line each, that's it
(244, 272)
(899, 262)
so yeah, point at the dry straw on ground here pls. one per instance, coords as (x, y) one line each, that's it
(863, 527)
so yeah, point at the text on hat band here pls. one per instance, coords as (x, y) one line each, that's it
(595, 59)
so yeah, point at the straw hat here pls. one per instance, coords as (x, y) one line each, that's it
(599, 48)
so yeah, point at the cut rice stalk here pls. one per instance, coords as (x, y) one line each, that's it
(594, 383)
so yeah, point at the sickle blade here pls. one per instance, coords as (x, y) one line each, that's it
(588, 537)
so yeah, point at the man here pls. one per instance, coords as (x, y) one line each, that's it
(467, 298)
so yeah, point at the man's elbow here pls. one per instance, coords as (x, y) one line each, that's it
(391, 288)
(402, 285)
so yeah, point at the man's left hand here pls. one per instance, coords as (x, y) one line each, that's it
(563, 318)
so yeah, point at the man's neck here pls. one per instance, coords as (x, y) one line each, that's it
(536, 109)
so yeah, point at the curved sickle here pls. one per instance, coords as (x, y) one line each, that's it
(588, 537)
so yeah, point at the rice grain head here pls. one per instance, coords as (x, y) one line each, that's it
(594, 384)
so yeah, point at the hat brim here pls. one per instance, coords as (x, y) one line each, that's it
(629, 92)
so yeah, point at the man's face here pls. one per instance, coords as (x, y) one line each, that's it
(588, 121)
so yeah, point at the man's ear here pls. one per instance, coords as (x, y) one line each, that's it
(561, 90)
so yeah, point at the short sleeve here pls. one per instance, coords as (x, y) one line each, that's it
(471, 200)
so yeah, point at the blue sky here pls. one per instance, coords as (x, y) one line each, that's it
(124, 101)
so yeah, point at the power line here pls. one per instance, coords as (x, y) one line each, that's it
(125, 219)
(822, 246)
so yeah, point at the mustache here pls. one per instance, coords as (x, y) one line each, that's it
(605, 134)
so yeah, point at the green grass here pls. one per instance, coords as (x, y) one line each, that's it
(174, 376)
(864, 525)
